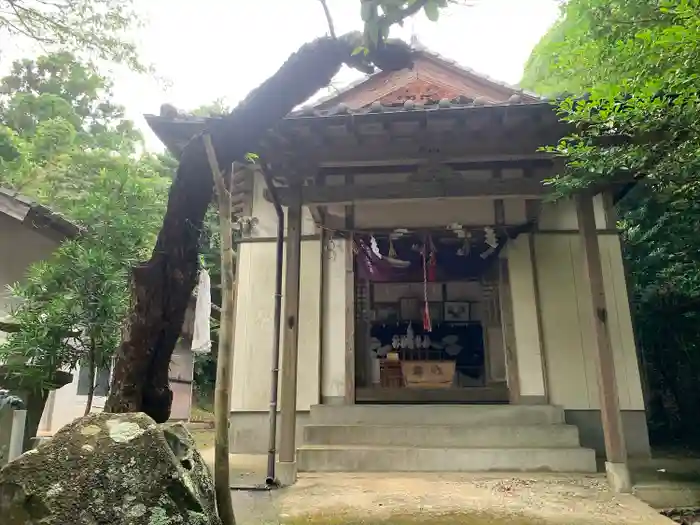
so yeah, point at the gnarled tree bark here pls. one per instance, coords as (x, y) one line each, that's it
(163, 285)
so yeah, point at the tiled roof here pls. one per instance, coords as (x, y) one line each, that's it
(421, 50)
(410, 105)
(35, 215)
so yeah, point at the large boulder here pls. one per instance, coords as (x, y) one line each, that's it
(110, 469)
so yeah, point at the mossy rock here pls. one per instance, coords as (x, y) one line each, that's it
(111, 469)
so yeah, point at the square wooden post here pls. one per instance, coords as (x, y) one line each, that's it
(349, 323)
(290, 345)
(615, 449)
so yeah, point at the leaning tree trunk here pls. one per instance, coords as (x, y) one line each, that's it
(93, 373)
(163, 285)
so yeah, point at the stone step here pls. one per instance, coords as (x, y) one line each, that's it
(474, 415)
(461, 436)
(348, 458)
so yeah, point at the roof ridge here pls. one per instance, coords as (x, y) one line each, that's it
(420, 49)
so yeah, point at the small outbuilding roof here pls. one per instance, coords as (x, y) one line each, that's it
(36, 216)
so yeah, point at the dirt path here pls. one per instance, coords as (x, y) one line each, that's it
(436, 499)
(467, 499)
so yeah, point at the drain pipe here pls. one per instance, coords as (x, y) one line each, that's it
(272, 443)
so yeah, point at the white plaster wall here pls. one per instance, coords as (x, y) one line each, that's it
(527, 337)
(333, 361)
(561, 215)
(252, 356)
(567, 319)
(20, 246)
(67, 406)
(265, 212)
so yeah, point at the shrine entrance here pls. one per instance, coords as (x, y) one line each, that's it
(428, 317)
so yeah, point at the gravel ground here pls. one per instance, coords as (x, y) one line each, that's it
(684, 516)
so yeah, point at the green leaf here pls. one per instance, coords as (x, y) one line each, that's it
(368, 10)
(432, 10)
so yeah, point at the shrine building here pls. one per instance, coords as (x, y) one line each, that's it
(439, 311)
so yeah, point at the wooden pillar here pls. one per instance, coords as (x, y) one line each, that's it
(506, 305)
(350, 337)
(615, 450)
(349, 323)
(290, 345)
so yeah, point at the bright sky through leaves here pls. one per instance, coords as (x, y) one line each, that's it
(213, 48)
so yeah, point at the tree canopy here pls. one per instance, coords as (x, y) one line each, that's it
(636, 64)
(64, 143)
(98, 27)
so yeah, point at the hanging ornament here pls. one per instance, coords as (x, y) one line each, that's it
(490, 237)
(432, 261)
(427, 325)
(455, 227)
(466, 247)
(410, 337)
(491, 241)
(375, 247)
(392, 251)
(398, 233)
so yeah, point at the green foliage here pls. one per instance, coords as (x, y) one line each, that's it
(217, 108)
(638, 63)
(379, 15)
(74, 303)
(98, 27)
(63, 143)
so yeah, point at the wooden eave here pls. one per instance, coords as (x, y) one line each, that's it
(382, 136)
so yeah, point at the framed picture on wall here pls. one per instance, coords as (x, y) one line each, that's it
(386, 313)
(436, 312)
(410, 309)
(458, 311)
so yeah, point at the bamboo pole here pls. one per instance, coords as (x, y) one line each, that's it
(224, 363)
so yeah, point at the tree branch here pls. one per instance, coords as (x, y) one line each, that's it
(402, 14)
(329, 18)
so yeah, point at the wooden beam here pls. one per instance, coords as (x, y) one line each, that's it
(463, 163)
(410, 166)
(417, 148)
(290, 341)
(516, 188)
(615, 449)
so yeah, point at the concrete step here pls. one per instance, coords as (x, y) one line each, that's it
(348, 458)
(473, 415)
(461, 436)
